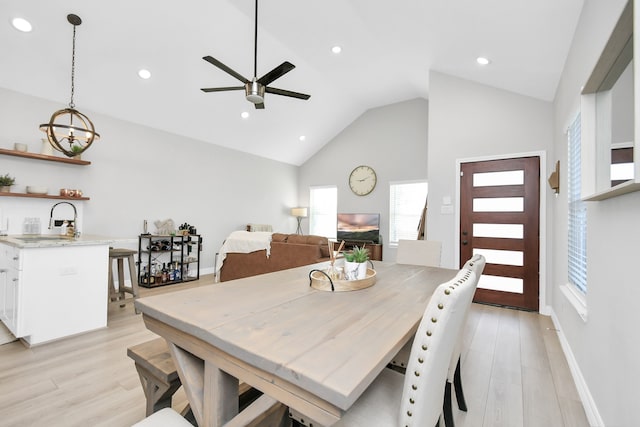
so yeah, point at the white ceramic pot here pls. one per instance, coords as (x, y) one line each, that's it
(47, 149)
(355, 270)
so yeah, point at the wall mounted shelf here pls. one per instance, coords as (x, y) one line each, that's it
(41, 196)
(28, 155)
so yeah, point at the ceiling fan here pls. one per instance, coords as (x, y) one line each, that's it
(256, 87)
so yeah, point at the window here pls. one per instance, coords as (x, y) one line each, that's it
(406, 203)
(577, 221)
(323, 211)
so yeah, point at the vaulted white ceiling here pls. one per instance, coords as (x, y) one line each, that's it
(388, 48)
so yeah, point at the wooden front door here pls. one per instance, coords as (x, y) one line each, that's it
(499, 218)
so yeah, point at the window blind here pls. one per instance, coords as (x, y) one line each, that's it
(323, 211)
(577, 220)
(406, 202)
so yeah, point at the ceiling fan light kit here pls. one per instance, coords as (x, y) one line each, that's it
(256, 87)
(255, 92)
(69, 131)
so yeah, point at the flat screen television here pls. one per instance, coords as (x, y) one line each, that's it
(359, 227)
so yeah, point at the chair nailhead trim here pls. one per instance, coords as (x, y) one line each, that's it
(434, 320)
(409, 413)
(440, 306)
(415, 387)
(417, 374)
(447, 291)
(412, 401)
(420, 360)
(428, 333)
(424, 347)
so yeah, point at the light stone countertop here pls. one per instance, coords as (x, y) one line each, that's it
(54, 240)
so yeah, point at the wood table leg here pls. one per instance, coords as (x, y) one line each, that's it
(220, 395)
(212, 393)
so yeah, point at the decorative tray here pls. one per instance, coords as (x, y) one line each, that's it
(320, 280)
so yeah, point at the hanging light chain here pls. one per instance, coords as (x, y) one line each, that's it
(73, 67)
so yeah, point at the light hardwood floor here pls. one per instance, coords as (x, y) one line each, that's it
(513, 369)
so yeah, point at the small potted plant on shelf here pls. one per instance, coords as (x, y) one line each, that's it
(355, 263)
(6, 182)
(78, 152)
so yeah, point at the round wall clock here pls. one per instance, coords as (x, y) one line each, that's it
(362, 180)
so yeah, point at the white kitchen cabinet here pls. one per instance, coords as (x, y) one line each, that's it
(53, 292)
(10, 291)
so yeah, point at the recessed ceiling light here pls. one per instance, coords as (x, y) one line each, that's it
(482, 60)
(244, 115)
(302, 138)
(336, 49)
(144, 74)
(21, 24)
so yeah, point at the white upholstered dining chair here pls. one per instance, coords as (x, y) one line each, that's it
(475, 264)
(416, 399)
(419, 252)
(415, 252)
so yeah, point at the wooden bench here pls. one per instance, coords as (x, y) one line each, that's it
(160, 379)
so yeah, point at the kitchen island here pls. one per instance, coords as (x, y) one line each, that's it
(53, 286)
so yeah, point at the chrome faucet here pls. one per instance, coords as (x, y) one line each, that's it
(75, 213)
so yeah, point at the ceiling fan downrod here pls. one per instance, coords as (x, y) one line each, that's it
(254, 91)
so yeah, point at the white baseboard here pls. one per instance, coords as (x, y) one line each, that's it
(590, 408)
(545, 310)
(209, 270)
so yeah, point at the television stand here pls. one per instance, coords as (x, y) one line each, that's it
(375, 249)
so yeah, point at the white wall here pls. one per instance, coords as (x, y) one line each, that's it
(391, 139)
(469, 120)
(140, 173)
(605, 347)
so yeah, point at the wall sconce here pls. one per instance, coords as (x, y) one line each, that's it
(554, 179)
(299, 213)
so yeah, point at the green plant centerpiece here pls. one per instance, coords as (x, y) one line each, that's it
(6, 182)
(355, 263)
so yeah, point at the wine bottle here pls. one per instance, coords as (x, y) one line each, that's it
(165, 273)
(176, 271)
(171, 273)
(157, 273)
(145, 275)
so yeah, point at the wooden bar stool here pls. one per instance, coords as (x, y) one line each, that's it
(117, 295)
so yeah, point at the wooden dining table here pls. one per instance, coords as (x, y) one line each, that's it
(315, 351)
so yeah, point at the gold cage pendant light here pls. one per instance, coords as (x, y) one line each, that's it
(69, 131)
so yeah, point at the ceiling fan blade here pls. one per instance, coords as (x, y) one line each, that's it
(276, 73)
(226, 69)
(259, 106)
(221, 89)
(286, 93)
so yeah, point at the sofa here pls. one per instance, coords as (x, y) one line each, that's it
(286, 251)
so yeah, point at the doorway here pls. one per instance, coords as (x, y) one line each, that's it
(500, 219)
